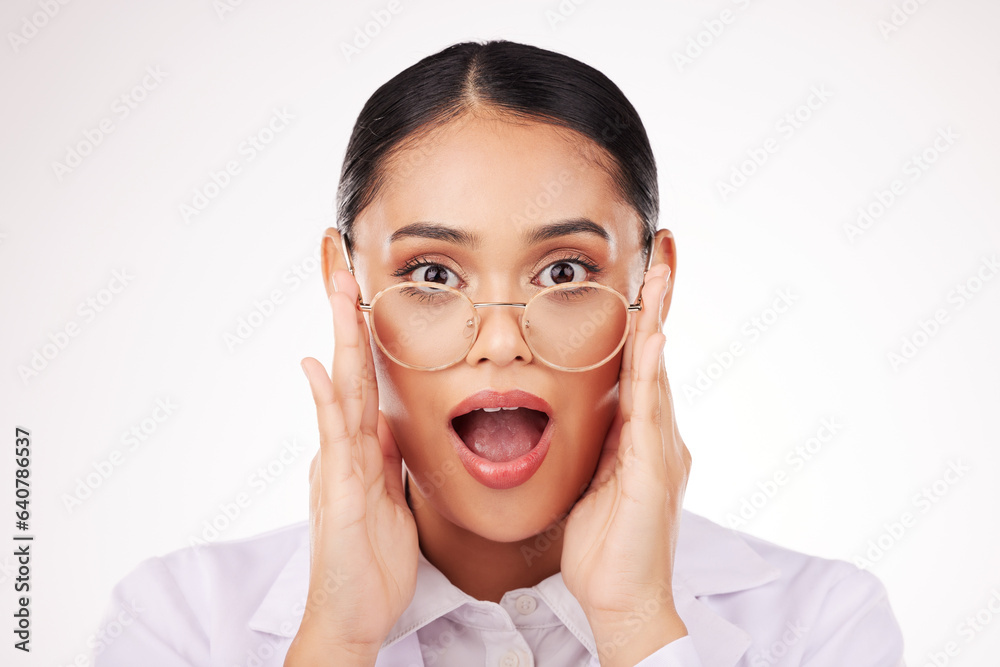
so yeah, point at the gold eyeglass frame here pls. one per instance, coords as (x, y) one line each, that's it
(629, 308)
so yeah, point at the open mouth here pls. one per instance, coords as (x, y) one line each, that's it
(500, 434)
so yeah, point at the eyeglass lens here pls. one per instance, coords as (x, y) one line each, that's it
(569, 327)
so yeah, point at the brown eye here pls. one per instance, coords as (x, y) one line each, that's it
(434, 273)
(563, 272)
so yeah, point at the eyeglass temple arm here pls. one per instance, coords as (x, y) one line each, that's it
(346, 247)
(649, 262)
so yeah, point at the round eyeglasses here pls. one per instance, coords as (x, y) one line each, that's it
(430, 326)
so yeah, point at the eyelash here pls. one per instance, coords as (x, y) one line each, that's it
(418, 262)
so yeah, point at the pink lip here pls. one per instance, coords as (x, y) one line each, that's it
(507, 474)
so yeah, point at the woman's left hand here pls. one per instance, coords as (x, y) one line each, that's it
(621, 536)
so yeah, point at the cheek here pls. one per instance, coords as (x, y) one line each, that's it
(598, 391)
(587, 414)
(403, 399)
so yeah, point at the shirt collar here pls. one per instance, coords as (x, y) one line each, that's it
(710, 560)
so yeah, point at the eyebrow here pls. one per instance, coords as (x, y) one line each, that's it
(564, 228)
(437, 231)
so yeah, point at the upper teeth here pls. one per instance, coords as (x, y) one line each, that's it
(495, 409)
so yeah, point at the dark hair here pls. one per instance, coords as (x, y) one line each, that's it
(519, 80)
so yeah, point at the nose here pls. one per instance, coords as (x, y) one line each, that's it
(499, 339)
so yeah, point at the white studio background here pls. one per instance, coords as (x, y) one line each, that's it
(807, 111)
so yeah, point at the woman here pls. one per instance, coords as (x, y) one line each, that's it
(500, 476)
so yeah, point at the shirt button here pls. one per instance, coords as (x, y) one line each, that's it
(509, 660)
(525, 604)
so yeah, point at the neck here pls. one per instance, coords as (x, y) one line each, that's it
(477, 566)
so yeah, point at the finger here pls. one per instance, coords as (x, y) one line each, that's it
(649, 317)
(666, 288)
(370, 413)
(677, 456)
(675, 452)
(625, 376)
(648, 432)
(348, 364)
(333, 437)
(366, 381)
(346, 282)
(314, 488)
(653, 289)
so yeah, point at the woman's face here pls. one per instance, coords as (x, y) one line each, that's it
(497, 181)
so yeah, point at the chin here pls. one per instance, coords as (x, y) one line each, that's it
(516, 515)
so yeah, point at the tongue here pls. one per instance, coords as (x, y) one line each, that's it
(503, 435)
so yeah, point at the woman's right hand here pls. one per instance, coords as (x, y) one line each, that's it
(363, 538)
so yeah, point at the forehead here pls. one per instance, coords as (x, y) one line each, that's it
(495, 177)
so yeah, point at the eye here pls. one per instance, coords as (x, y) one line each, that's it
(432, 273)
(563, 271)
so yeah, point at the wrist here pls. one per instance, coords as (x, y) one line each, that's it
(310, 650)
(627, 640)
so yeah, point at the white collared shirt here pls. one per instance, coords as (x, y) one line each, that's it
(746, 603)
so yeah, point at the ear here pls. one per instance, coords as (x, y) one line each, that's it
(665, 252)
(334, 258)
